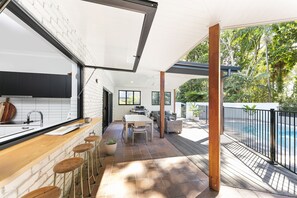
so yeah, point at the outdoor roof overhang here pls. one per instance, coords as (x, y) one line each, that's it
(178, 26)
(184, 67)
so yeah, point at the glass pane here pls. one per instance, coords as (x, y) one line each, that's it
(137, 97)
(155, 98)
(130, 97)
(122, 98)
(46, 85)
(114, 47)
(167, 98)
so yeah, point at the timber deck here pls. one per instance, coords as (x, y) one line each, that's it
(240, 167)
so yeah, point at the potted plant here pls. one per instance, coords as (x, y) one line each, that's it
(196, 111)
(110, 146)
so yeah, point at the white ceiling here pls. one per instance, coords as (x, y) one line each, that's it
(179, 25)
(148, 79)
(111, 34)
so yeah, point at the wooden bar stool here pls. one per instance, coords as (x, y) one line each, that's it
(86, 149)
(66, 166)
(44, 192)
(96, 140)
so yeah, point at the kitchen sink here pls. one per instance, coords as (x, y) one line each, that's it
(13, 122)
(7, 131)
(18, 123)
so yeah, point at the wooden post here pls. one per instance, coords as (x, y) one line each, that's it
(222, 104)
(174, 100)
(214, 107)
(162, 103)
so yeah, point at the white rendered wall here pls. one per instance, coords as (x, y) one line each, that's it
(263, 106)
(178, 109)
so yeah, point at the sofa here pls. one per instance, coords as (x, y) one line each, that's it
(168, 115)
(171, 125)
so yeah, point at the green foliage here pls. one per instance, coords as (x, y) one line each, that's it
(195, 109)
(250, 109)
(193, 96)
(199, 54)
(267, 56)
(282, 53)
(290, 104)
(111, 141)
(194, 90)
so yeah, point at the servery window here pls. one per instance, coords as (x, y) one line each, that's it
(38, 84)
(127, 97)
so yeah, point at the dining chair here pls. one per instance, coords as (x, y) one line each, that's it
(139, 127)
(124, 129)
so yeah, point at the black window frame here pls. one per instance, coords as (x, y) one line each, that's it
(126, 97)
(158, 92)
(28, 19)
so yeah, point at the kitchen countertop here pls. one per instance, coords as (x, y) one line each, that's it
(18, 158)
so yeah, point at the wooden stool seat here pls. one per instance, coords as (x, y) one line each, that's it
(44, 192)
(68, 165)
(83, 148)
(93, 138)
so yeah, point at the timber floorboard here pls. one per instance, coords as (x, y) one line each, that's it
(240, 167)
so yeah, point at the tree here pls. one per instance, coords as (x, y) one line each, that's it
(199, 54)
(283, 55)
(266, 55)
(194, 90)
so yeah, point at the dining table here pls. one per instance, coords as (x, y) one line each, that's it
(131, 119)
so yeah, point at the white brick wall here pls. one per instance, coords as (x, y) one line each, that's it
(93, 92)
(41, 174)
(50, 15)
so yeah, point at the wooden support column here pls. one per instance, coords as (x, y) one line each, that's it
(214, 107)
(162, 103)
(174, 100)
(222, 104)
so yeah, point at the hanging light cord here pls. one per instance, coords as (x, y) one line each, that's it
(87, 82)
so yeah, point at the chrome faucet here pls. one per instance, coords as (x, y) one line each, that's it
(29, 114)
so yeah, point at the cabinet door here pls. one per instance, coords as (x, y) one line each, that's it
(42, 85)
(68, 86)
(57, 86)
(36, 85)
(26, 84)
(10, 83)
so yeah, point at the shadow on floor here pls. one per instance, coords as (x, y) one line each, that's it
(240, 168)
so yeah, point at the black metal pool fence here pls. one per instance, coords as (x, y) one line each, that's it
(270, 132)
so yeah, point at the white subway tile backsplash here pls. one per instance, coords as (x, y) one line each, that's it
(54, 110)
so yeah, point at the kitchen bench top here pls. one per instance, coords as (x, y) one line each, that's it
(18, 158)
